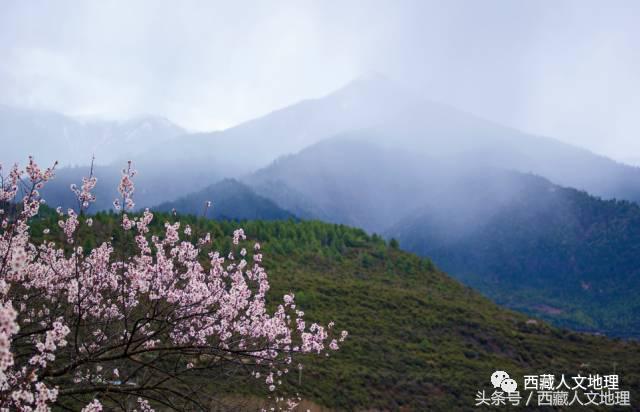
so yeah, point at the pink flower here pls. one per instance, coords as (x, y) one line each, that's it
(109, 293)
(94, 406)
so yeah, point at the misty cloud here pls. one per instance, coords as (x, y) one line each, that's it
(565, 69)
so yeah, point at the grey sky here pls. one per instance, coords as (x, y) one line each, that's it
(568, 69)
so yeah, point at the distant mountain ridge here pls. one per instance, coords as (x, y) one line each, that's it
(395, 117)
(50, 136)
(384, 114)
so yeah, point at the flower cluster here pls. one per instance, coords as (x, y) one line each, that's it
(126, 189)
(84, 195)
(82, 320)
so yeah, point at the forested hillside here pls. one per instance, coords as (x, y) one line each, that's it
(417, 338)
(518, 238)
(554, 252)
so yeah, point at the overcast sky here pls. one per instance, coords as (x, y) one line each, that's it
(568, 69)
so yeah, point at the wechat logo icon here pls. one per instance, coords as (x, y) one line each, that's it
(501, 379)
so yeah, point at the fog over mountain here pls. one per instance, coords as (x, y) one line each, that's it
(373, 109)
(50, 136)
(551, 251)
(567, 70)
(381, 111)
(487, 202)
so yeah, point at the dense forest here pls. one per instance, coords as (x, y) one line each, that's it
(554, 252)
(417, 338)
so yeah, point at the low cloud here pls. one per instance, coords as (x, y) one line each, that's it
(566, 69)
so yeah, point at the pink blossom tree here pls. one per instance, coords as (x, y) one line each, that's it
(139, 321)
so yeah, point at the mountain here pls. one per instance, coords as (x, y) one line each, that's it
(349, 180)
(50, 136)
(346, 180)
(529, 244)
(418, 340)
(554, 252)
(394, 117)
(374, 108)
(230, 200)
(364, 103)
(378, 157)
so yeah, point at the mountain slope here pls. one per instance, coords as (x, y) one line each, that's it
(345, 180)
(555, 252)
(230, 200)
(396, 118)
(525, 242)
(253, 144)
(418, 340)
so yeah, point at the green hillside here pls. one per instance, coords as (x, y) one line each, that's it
(554, 252)
(520, 239)
(418, 339)
(233, 201)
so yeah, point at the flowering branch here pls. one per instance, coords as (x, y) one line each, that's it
(141, 316)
